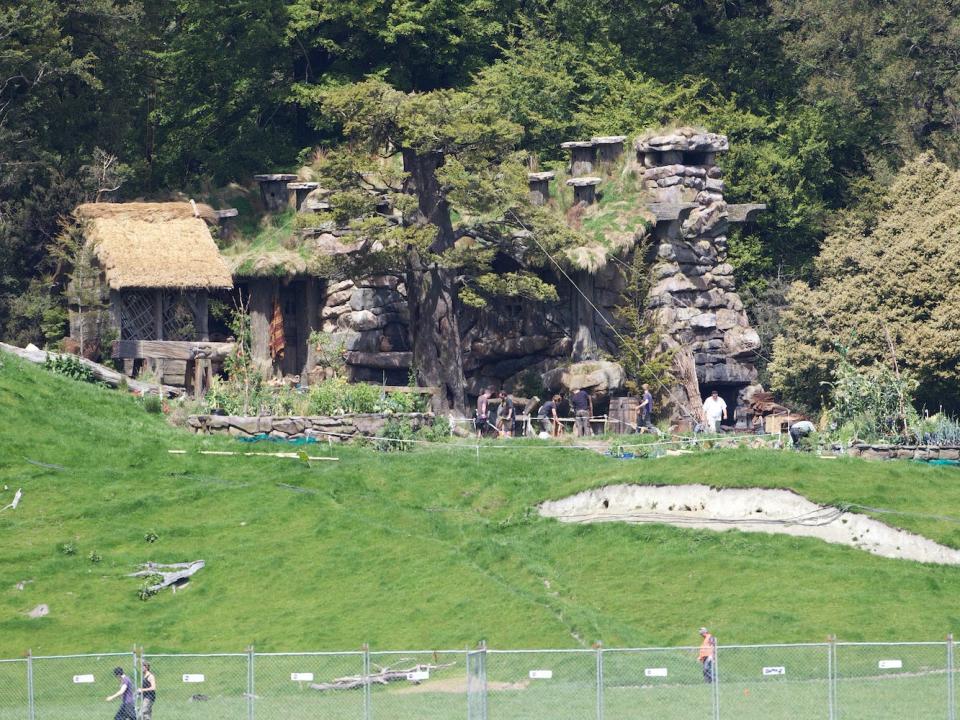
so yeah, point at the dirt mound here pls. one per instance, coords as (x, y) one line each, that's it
(749, 510)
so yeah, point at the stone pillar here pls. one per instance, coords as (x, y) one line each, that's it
(540, 186)
(584, 189)
(583, 156)
(609, 149)
(692, 298)
(298, 192)
(273, 191)
(226, 222)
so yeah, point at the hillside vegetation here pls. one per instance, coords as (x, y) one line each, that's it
(425, 549)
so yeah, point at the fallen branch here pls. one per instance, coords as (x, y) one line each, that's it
(381, 677)
(100, 372)
(180, 572)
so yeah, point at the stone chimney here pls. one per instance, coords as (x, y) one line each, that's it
(692, 299)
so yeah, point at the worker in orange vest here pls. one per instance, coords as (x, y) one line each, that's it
(708, 655)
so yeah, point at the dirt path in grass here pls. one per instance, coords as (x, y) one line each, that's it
(749, 510)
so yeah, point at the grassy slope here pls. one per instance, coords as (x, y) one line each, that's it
(423, 549)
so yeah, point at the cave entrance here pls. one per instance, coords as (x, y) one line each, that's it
(730, 393)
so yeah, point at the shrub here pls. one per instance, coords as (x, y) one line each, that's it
(153, 404)
(67, 548)
(94, 557)
(362, 398)
(69, 366)
(395, 436)
(439, 431)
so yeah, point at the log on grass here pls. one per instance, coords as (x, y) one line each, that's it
(100, 372)
(177, 572)
(381, 677)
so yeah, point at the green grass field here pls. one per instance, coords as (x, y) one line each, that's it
(427, 549)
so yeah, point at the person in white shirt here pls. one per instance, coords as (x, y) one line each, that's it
(714, 410)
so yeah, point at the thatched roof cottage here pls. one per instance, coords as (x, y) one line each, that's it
(153, 266)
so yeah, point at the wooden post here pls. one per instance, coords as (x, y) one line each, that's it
(311, 308)
(202, 315)
(273, 191)
(584, 189)
(539, 183)
(583, 156)
(262, 291)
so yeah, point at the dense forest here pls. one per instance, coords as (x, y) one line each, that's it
(824, 101)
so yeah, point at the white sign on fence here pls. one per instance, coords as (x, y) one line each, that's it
(890, 664)
(418, 675)
(193, 678)
(541, 674)
(655, 672)
(83, 678)
(301, 677)
(774, 671)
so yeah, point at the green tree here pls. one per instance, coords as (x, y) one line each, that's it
(884, 284)
(461, 195)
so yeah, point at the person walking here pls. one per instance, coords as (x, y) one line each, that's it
(148, 693)
(483, 412)
(582, 412)
(645, 411)
(127, 711)
(714, 410)
(708, 655)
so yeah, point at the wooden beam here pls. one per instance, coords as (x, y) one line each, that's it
(744, 213)
(671, 211)
(381, 360)
(171, 350)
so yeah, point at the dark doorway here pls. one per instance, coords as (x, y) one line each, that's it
(729, 394)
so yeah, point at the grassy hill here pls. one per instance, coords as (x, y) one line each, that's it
(424, 549)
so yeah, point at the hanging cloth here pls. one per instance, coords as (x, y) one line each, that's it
(277, 342)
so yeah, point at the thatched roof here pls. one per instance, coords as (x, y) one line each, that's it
(155, 245)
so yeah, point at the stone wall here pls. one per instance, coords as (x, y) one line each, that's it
(336, 427)
(904, 452)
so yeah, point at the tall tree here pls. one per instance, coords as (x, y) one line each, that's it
(461, 196)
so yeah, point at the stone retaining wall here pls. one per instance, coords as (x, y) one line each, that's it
(337, 427)
(905, 452)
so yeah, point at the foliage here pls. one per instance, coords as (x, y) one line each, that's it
(872, 403)
(69, 366)
(396, 436)
(94, 557)
(641, 354)
(939, 429)
(330, 352)
(153, 404)
(883, 286)
(67, 548)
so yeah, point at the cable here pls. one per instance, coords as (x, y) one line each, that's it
(533, 236)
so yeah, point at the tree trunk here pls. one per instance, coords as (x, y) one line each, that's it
(584, 320)
(431, 293)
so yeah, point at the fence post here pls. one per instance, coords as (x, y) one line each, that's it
(716, 682)
(367, 709)
(832, 676)
(137, 679)
(951, 688)
(599, 647)
(250, 684)
(31, 709)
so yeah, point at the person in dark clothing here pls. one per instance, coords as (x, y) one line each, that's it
(645, 411)
(128, 710)
(505, 415)
(582, 410)
(548, 416)
(481, 421)
(148, 693)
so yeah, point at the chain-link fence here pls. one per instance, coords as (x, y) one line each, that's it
(825, 681)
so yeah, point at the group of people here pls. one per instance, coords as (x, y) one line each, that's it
(551, 413)
(127, 693)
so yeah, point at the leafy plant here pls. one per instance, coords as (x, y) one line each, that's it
(151, 536)
(69, 366)
(153, 404)
(67, 548)
(94, 557)
(396, 436)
